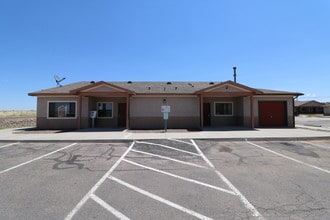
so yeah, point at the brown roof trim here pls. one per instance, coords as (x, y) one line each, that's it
(252, 90)
(100, 83)
(50, 94)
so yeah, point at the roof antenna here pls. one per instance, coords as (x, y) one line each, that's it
(58, 80)
(234, 68)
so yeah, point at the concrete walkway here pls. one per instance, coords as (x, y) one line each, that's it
(99, 135)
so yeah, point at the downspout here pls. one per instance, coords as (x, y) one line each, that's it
(293, 116)
(127, 110)
(251, 112)
(201, 111)
(79, 112)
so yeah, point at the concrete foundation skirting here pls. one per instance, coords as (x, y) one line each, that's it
(158, 123)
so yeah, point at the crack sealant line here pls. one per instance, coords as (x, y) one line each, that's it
(97, 185)
(37, 158)
(316, 145)
(289, 158)
(245, 202)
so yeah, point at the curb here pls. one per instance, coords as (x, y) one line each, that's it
(201, 139)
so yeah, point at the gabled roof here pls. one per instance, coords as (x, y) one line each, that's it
(310, 103)
(229, 86)
(276, 92)
(103, 85)
(62, 90)
(164, 87)
(157, 88)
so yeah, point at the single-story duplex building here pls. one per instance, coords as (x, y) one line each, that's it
(326, 109)
(137, 105)
(308, 107)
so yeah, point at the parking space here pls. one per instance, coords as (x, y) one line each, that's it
(45, 180)
(162, 179)
(283, 180)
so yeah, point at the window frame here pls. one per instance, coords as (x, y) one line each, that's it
(97, 110)
(224, 115)
(56, 118)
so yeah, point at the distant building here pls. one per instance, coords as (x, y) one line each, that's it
(139, 105)
(326, 109)
(308, 107)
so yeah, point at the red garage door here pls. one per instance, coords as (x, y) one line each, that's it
(272, 114)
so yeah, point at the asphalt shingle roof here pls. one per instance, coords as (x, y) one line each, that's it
(149, 88)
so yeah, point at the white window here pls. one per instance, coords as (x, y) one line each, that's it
(104, 109)
(223, 108)
(59, 109)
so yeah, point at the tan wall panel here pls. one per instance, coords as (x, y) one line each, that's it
(158, 122)
(150, 107)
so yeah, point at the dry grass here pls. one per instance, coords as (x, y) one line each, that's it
(17, 118)
(17, 113)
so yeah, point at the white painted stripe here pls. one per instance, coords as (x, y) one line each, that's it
(168, 147)
(38, 158)
(180, 141)
(105, 205)
(202, 155)
(245, 202)
(180, 177)
(316, 145)
(168, 158)
(160, 199)
(8, 145)
(289, 158)
(97, 185)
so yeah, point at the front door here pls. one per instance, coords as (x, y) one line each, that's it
(206, 114)
(122, 114)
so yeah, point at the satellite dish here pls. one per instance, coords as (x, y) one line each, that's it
(58, 80)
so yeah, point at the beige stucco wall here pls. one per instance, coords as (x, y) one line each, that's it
(326, 110)
(146, 112)
(52, 123)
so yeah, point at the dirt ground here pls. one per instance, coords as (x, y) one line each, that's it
(17, 122)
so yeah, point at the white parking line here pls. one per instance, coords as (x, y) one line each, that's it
(180, 177)
(8, 145)
(180, 141)
(245, 202)
(160, 199)
(289, 158)
(38, 158)
(105, 205)
(168, 147)
(97, 185)
(168, 158)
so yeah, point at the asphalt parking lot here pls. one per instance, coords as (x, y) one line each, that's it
(166, 179)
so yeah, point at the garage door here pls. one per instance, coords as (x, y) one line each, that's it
(272, 114)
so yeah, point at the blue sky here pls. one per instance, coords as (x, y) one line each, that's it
(275, 44)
